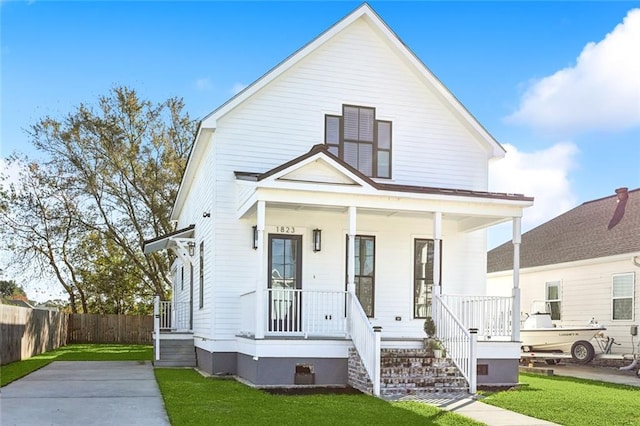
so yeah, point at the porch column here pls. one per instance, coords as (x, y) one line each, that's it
(515, 311)
(437, 238)
(260, 279)
(351, 258)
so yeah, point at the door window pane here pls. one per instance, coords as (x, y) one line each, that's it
(423, 278)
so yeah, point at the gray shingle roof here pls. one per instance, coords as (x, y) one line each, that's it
(579, 234)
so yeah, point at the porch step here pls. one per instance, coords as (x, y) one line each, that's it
(408, 372)
(417, 372)
(176, 353)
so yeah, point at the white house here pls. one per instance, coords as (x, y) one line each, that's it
(582, 264)
(327, 207)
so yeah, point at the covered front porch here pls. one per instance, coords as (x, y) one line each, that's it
(331, 255)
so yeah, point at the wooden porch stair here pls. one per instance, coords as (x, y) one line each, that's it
(407, 372)
(176, 353)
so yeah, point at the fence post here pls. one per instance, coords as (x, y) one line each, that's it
(473, 361)
(156, 325)
(376, 363)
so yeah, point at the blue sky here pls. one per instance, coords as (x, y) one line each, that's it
(557, 83)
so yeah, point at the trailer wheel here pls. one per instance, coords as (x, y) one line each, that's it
(582, 352)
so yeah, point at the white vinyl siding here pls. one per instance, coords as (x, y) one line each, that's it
(622, 292)
(553, 300)
(260, 133)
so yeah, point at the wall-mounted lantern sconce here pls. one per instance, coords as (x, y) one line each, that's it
(255, 237)
(317, 239)
(192, 248)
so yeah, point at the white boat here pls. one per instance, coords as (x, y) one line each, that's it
(538, 334)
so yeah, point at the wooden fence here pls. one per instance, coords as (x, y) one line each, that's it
(96, 328)
(27, 332)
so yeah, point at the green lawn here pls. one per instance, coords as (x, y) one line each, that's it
(76, 352)
(191, 399)
(569, 401)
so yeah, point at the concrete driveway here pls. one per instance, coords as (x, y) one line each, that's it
(603, 374)
(85, 393)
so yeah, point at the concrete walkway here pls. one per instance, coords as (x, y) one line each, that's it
(85, 393)
(468, 406)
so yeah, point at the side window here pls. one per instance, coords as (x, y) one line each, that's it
(360, 140)
(553, 299)
(622, 294)
(202, 274)
(182, 278)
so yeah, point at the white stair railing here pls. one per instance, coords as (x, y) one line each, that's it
(491, 315)
(459, 342)
(366, 340)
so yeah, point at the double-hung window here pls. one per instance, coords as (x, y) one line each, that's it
(365, 251)
(360, 140)
(622, 296)
(553, 299)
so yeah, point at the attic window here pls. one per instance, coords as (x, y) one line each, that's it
(360, 140)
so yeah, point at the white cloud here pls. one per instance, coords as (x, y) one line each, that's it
(542, 175)
(601, 92)
(237, 88)
(204, 84)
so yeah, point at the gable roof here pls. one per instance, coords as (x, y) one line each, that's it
(579, 234)
(366, 13)
(208, 125)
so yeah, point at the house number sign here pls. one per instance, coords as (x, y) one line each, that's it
(281, 229)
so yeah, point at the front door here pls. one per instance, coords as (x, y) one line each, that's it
(285, 282)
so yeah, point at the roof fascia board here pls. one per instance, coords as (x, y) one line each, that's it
(319, 156)
(195, 157)
(279, 69)
(497, 150)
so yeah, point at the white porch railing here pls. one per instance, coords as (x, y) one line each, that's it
(173, 317)
(308, 312)
(491, 315)
(296, 312)
(366, 339)
(459, 342)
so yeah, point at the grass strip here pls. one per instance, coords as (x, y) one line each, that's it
(570, 401)
(75, 352)
(191, 399)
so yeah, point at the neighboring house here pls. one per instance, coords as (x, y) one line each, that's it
(582, 264)
(326, 207)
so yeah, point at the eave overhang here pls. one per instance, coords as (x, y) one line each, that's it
(178, 241)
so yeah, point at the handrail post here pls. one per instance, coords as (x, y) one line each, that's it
(376, 364)
(473, 361)
(156, 325)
